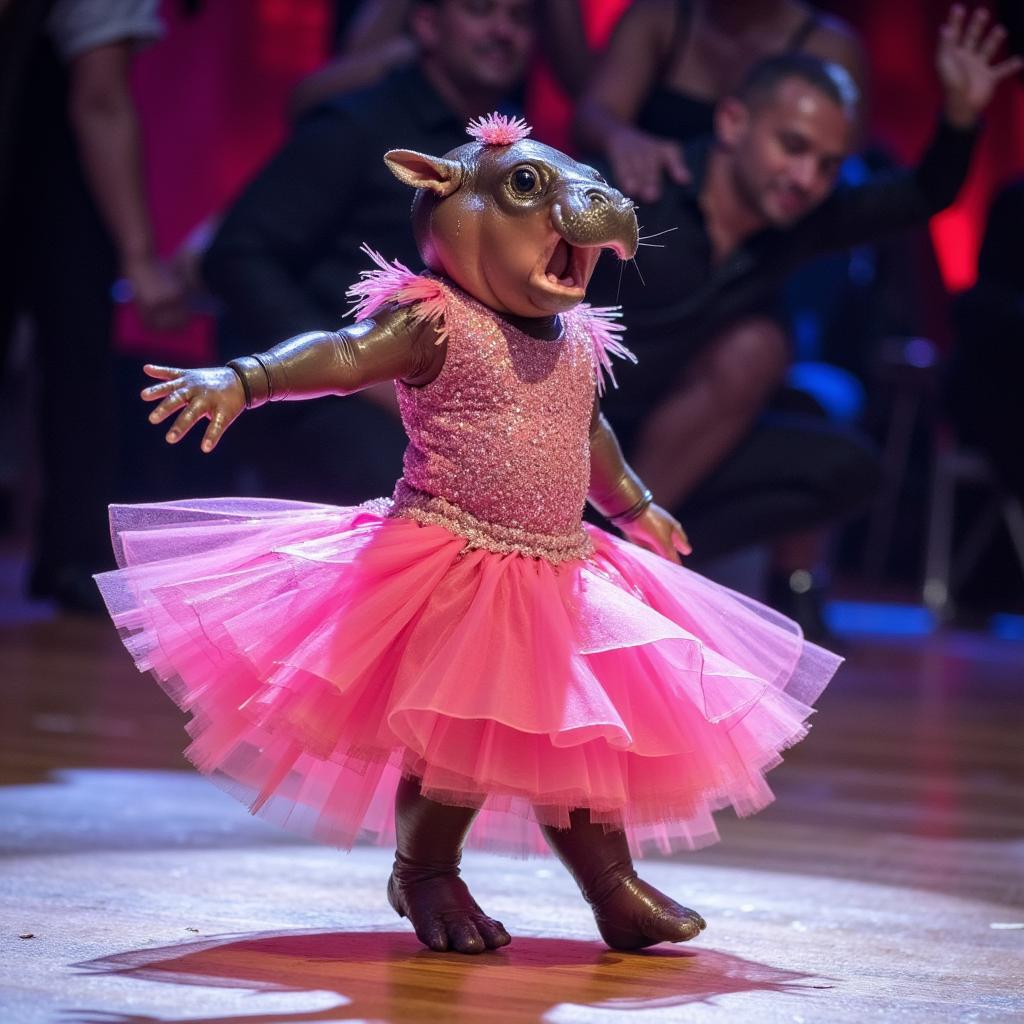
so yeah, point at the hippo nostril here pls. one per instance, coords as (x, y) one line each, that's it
(597, 198)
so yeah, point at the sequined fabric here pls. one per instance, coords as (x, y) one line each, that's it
(499, 441)
(507, 540)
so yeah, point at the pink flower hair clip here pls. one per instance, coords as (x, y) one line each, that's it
(498, 130)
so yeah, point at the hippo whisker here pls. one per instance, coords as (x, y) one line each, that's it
(641, 276)
(657, 234)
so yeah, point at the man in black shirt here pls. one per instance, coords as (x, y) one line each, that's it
(289, 248)
(760, 203)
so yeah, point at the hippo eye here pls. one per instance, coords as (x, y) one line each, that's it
(525, 181)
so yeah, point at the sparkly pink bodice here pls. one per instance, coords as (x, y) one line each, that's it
(499, 441)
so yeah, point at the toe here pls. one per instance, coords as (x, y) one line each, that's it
(492, 932)
(685, 930)
(676, 924)
(638, 915)
(464, 937)
(693, 917)
(433, 935)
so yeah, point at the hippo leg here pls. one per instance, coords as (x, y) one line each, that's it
(425, 885)
(630, 914)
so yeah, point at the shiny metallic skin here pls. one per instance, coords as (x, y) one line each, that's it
(596, 217)
(582, 207)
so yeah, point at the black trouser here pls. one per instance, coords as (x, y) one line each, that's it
(792, 472)
(57, 264)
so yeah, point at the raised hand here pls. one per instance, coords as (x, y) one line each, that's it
(215, 394)
(639, 159)
(967, 48)
(659, 532)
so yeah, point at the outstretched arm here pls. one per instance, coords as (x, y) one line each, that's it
(620, 496)
(394, 345)
(970, 72)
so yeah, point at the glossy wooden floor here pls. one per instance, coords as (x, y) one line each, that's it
(886, 883)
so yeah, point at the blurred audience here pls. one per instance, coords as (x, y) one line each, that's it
(988, 373)
(703, 318)
(668, 64)
(288, 250)
(377, 37)
(670, 61)
(729, 119)
(73, 219)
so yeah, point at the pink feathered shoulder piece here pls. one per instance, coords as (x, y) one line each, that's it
(606, 334)
(395, 284)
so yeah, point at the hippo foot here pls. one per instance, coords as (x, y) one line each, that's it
(442, 911)
(634, 915)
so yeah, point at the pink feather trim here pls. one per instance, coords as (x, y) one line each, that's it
(498, 130)
(395, 284)
(606, 335)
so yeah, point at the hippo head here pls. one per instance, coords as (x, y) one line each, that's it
(515, 223)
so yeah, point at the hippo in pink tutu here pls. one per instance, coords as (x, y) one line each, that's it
(466, 661)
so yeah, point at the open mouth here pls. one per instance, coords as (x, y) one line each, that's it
(563, 268)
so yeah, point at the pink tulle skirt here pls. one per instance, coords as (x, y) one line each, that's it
(322, 652)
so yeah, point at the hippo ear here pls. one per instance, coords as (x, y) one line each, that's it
(441, 176)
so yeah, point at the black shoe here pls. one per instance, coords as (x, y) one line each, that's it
(799, 597)
(70, 585)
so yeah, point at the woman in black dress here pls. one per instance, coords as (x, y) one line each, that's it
(670, 61)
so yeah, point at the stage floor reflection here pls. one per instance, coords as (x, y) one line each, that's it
(887, 882)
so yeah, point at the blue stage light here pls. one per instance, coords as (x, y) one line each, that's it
(838, 391)
(1007, 627)
(856, 617)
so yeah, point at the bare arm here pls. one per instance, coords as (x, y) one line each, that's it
(103, 117)
(351, 72)
(627, 71)
(622, 82)
(970, 70)
(391, 346)
(565, 43)
(375, 44)
(620, 496)
(375, 22)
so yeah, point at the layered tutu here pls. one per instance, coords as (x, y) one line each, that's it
(324, 651)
